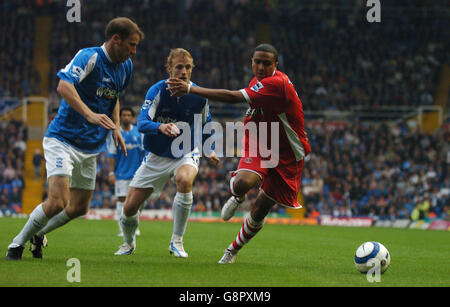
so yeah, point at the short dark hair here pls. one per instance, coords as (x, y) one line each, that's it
(267, 48)
(126, 109)
(124, 27)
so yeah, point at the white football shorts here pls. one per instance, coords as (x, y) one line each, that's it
(121, 188)
(63, 160)
(155, 171)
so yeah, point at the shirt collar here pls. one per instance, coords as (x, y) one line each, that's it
(106, 53)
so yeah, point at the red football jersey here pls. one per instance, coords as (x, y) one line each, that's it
(274, 100)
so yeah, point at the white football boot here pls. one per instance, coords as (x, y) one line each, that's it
(230, 207)
(176, 248)
(126, 249)
(228, 257)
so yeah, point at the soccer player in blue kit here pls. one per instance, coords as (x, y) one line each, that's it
(156, 120)
(90, 86)
(122, 168)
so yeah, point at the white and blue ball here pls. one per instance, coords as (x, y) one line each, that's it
(372, 253)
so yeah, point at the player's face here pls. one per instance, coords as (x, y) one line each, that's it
(181, 68)
(263, 64)
(125, 118)
(123, 49)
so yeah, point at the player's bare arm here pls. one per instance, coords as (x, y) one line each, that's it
(178, 86)
(70, 94)
(112, 166)
(117, 135)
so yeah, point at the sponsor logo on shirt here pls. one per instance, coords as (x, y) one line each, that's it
(107, 93)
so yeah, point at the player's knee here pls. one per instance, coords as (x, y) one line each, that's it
(241, 185)
(56, 204)
(129, 210)
(184, 185)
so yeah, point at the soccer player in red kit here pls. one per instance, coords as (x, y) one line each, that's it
(272, 99)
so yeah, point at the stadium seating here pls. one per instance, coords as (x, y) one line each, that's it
(13, 135)
(334, 57)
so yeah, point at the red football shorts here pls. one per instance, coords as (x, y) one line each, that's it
(281, 184)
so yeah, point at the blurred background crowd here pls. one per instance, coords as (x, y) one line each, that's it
(334, 57)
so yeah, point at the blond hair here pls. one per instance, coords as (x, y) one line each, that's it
(178, 52)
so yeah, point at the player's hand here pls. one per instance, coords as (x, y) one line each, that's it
(170, 129)
(101, 120)
(119, 141)
(177, 87)
(213, 159)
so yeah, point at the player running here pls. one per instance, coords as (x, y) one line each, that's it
(122, 168)
(157, 119)
(273, 99)
(90, 86)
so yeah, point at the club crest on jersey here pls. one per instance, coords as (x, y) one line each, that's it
(257, 87)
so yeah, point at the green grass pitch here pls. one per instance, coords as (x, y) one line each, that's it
(279, 256)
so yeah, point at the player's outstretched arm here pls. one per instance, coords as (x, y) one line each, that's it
(70, 94)
(181, 87)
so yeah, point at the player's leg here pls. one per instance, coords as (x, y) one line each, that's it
(129, 219)
(253, 223)
(58, 197)
(119, 209)
(59, 166)
(82, 185)
(181, 208)
(241, 182)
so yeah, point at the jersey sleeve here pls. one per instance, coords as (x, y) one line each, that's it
(145, 122)
(263, 93)
(80, 67)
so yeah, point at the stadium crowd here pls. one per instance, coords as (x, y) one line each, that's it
(336, 61)
(13, 137)
(18, 77)
(367, 169)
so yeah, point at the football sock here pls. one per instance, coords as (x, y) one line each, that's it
(55, 222)
(129, 225)
(249, 229)
(181, 209)
(119, 208)
(36, 222)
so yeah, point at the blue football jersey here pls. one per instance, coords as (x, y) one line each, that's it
(159, 107)
(125, 167)
(98, 82)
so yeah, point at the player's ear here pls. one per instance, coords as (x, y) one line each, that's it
(116, 38)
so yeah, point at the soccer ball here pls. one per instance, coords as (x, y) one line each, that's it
(371, 254)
